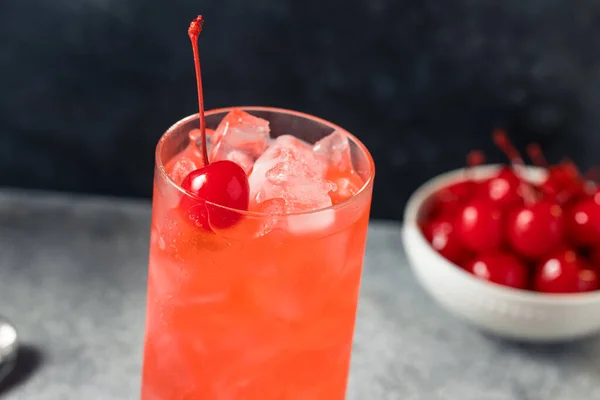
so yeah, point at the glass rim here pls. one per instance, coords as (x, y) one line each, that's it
(366, 186)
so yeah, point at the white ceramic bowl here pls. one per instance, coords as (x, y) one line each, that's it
(506, 312)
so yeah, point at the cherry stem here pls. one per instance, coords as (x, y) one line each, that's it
(534, 151)
(474, 159)
(194, 32)
(505, 145)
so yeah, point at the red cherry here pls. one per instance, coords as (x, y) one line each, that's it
(564, 183)
(503, 189)
(451, 199)
(223, 183)
(563, 272)
(442, 236)
(479, 226)
(583, 222)
(499, 267)
(536, 229)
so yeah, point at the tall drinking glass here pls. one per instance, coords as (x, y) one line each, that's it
(261, 310)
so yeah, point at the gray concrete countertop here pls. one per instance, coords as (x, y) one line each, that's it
(72, 279)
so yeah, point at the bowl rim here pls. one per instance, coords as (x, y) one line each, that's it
(416, 200)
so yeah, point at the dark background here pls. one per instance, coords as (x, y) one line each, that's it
(88, 86)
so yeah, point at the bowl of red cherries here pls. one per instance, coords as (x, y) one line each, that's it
(512, 249)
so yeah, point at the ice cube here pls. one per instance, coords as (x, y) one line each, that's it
(289, 171)
(180, 169)
(266, 224)
(346, 187)
(285, 149)
(299, 194)
(240, 133)
(293, 168)
(184, 163)
(224, 151)
(334, 150)
(195, 135)
(301, 151)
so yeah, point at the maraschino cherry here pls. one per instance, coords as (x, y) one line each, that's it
(535, 228)
(499, 267)
(503, 189)
(451, 199)
(221, 183)
(479, 223)
(564, 183)
(479, 226)
(583, 222)
(441, 234)
(565, 271)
